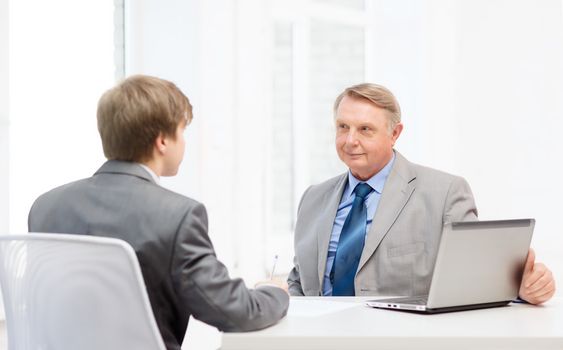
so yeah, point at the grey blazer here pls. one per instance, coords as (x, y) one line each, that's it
(169, 234)
(401, 245)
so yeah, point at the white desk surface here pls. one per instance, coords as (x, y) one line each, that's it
(347, 323)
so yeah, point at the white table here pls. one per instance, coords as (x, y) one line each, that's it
(346, 323)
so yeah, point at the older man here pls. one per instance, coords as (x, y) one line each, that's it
(375, 229)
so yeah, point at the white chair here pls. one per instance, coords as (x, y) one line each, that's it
(74, 292)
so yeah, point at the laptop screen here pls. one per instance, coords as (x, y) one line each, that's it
(480, 262)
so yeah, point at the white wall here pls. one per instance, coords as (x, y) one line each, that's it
(165, 41)
(223, 148)
(4, 123)
(169, 42)
(59, 67)
(4, 113)
(481, 86)
(510, 108)
(479, 82)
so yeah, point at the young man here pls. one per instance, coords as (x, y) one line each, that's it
(141, 123)
(375, 229)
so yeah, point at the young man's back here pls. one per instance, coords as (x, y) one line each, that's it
(169, 233)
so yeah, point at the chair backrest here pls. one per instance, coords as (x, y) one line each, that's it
(69, 292)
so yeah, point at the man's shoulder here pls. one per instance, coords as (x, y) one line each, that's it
(429, 173)
(329, 185)
(424, 173)
(140, 190)
(332, 181)
(322, 193)
(62, 190)
(168, 195)
(433, 182)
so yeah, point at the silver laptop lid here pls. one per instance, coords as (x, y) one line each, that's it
(480, 262)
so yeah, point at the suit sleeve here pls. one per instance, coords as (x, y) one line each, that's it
(294, 277)
(205, 289)
(294, 280)
(460, 204)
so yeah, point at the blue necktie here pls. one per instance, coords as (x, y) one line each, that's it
(350, 244)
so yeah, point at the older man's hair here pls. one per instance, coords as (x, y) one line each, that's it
(132, 115)
(379, 96)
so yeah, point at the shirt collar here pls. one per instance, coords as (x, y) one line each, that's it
(151, 173)
(376, 182)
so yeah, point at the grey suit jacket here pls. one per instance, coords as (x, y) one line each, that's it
(401, 246)
(169, 234)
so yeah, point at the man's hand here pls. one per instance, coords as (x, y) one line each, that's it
(538, 285)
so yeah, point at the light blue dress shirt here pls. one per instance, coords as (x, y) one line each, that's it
(377, 182)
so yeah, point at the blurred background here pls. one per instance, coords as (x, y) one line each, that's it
(480, 84)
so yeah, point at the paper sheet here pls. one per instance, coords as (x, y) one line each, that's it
(314, 308)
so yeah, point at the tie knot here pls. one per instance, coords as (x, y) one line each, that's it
(362, 190)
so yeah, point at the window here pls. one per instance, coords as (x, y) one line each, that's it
(61, 60)
(262, 76)
(318, 49)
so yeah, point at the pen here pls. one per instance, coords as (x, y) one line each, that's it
(274, 267)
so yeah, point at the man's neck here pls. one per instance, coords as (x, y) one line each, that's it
(152, 170)
(154, 165)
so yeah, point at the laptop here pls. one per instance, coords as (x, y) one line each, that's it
(479, 265)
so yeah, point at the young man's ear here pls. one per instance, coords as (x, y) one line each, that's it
(160, 143)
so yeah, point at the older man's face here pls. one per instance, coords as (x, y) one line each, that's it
(363, 141)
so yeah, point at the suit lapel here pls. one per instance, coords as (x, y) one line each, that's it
(396, 193)
(326, 221)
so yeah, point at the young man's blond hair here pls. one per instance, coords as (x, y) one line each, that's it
(132, 114)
